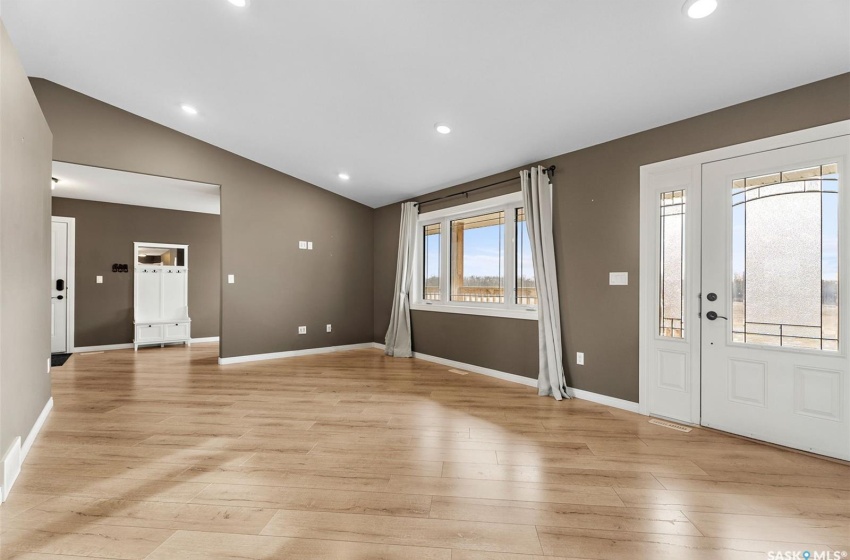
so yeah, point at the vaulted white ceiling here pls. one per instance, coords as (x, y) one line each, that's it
(318, 87)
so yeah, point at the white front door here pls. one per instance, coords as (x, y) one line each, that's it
(774, 314)
(59, 287)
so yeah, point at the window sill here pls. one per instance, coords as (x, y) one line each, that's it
(474, 310)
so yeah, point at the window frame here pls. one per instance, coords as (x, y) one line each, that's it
(510, 309)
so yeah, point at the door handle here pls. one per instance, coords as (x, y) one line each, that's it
(58, 297)
(60, 285)
(712, 315)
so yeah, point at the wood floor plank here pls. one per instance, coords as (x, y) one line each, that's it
(771, 528)
(80, 539)
(564, 515)
(186, 545)
(503, 490)
(622, 545)
(154, 515)
(715, 502)
(552, 475)
(410, 531)
(313, 499)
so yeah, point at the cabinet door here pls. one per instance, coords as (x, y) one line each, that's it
(177, 331)
(148, 333)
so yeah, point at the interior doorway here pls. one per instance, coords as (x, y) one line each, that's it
(744, 318)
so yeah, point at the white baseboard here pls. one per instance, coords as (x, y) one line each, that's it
(17, 453)
(205, 339)
(605, 399)
(11, 468)
(292, 353)
(129, 345)
(513, 378)
(102, 348)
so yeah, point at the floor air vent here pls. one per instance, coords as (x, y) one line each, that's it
(671, 425)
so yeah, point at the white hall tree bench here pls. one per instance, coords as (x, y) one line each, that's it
(161, 294)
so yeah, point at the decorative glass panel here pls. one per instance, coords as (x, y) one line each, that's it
(672, 280)
(785, 258)
(431, 268)
(526, 289)
(478, 259)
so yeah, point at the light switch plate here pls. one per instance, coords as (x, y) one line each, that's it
(231, 278)
(302, 330)
(302, 244)
(328, 328)
(309, 245)
(580, 358)
(98, 279)
(618, 278)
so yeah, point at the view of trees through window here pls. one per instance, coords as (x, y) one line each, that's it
(485, 262)
(478, 259)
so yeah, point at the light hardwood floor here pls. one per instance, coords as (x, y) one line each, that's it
(163, 454)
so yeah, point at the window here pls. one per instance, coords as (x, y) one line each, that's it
(482, 265)
(780, 218)
(431, 278)
(671, 313)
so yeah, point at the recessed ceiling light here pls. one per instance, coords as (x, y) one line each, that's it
(442, 128)
(239, 3)
(344, 176)
(188, 109)
(698, 9)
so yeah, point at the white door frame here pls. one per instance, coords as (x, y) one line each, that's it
(70, 282)
(686, 172)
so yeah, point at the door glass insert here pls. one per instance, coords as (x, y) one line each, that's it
(672, 273)
(785, 228)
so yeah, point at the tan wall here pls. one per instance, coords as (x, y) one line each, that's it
(264, 214)
(597, 200)
(105, 234)
(25, 162)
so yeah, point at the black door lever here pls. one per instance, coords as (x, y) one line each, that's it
(712, 315)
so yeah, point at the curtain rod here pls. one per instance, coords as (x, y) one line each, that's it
(549, 171)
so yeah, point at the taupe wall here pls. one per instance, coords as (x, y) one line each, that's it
(105, 234)
(25, 163)
(597, 201)
(264, 215)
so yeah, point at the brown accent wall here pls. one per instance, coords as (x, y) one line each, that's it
(264, 213)
(597, 226)
(25, 147)
(105, 234)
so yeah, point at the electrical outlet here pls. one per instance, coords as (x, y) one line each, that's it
(580, 358)
(309, 245)
(328, 328)
(98, 279)
(231, 278)
(302, 330)
(302, 244)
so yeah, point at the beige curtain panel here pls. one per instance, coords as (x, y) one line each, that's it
(398, 340)
(537, 199)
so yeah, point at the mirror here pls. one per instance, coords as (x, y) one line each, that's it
(161, 256)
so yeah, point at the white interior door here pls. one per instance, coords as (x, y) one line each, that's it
(774, 322)
(59, 287)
